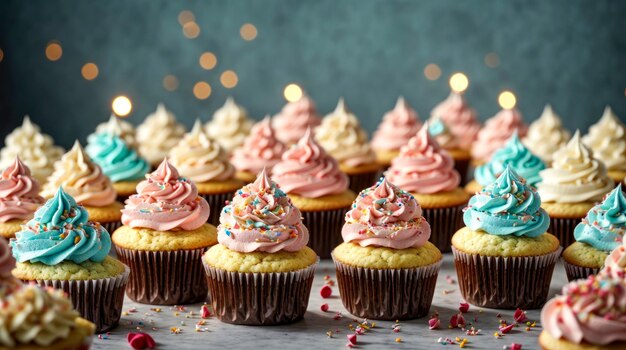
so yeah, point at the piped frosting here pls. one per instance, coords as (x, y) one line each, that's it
(158, 134)
(261, 149)
(398, 126)
(118, 127)
(607, 139)
(118, 161)
(605, 224)
(294, 119)
(496, 132)
(19, 193)
(230, 125)
(461, 119)
(546, 135)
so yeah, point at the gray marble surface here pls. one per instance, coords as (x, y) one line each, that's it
(311, 333)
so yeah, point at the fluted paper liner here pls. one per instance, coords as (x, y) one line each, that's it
(260, 299)
(444, 222)
(111, 226)
(563, 229)
(217, 202)
(462, 166)
(164, 277)
(324, 229)
(359, 182)
(505, 282)
(99, 301)
(387, 294)
(575, 272)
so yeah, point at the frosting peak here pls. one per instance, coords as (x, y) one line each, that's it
(497, 130)
(605, 224)
(120, 128)
(118, 161)
(461, 119)
(546, 135)
(230, 125)
(19, 193)
(398, 126)
(294, 119)
(159, 133)
(260, 150)
(607, 139)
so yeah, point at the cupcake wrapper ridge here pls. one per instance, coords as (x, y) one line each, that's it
(575, 272)
(462, 166)
(444, 222)
(111, 226)
(216, 203)
(324, 230)
(563, 229)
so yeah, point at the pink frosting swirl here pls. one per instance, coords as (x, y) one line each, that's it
(262, 218)
(7, 262)
(294, 119)
(260, 150)
(496, 132)
(615, 263)
(398, 126)
(423, 166)
(386, 216)
(19, 193)
(308, 171)
(166, 201)
(460, 118)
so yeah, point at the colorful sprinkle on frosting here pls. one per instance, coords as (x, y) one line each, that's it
(605, 224)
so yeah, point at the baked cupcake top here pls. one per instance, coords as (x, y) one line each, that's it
(37, 150)
(80, 178)
(230, 125)
(508, 206)
(461, 119)
(605, 224)
(19, 192)
(262, 218)
(261, 149)
(118, 161)
(386, 216)
(513, 154)
(496, 132)
(343, 138)
(166, 201)
(607, 139)
(307, 170)
(118, 127)
(61, 231)
(200, 158)
(158, 133)
(440, 131)
(546, 135)
(615, 263)
(294, 119)
(423, 166)
(575, 176)
(399, 125)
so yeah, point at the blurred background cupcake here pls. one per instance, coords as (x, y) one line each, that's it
(449, 142)
(262, 271)
(394, 131)
(19, 197)
(294, 119)
(118, 127)
(459, 117)
(607, 140)
(546, 135)
(158, 133)
(570, 188)
(230, 125)
(343, 138)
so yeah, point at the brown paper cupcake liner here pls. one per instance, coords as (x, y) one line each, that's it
(111, 226)
(99, 301)
(324, 230)
(563, 229)
(216, 203)
(260, 299)
(505, 282)
(575, 272)
(387, 294)
(462, 166)
(164, 277)
(444, 222)
(359, 182)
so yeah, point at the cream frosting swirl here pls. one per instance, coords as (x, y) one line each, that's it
(19, 193)
(546, 135)
(294, 119)
(118, 127)
(230, 125)
(200, 158)
(442, 134)
(308, 171)
(386, 216)
(461, 119)
(607, 139)
(423, 166)
(343, 138)
(496, 132)
(36, 150)
(575, 176)
(260, 150)
(166, 201)
(158, 134)
(615, 263)
(399, 125)
(262, 218)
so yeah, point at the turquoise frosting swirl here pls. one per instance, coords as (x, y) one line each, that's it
(117, 160)
(61, 231)
(605, 224)
(508, 206)
(515, 154)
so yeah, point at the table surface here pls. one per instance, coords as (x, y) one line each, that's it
(311, 333)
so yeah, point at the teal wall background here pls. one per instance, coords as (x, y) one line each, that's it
(570, 53)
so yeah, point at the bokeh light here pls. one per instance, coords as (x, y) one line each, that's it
(186, 16)
(248, 32)
(191, 30)
(507, 100)
(170, 82)
(208, 60)
(1, 55)
(54, 51)
(122, 106)
(459, 82)
(432, 71)
(492, 60)
(292, 92)
(202, 90)
(90, 71)
(229, 79)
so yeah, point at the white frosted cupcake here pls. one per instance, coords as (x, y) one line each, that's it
(230, 125)
(158, 134)
(607, 139)
(546, 135)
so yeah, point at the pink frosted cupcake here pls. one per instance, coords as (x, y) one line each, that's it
(496, 132)
(460, 118)
(294, 119)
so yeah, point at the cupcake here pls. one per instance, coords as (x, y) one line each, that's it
(158, 134)
(84, 181)
(120, 163)
(19, 197)
(230, 125)
(546, 135)
(261, 150)
(294, 119)
(449, 142)
(398, 126)
(607, 140)
(513, 154)
(261, 271)
(118, 127)
(165, 233)
(571, 186)
(504, 257)
(343, 138)
(203, 161)
(427, 172)
(318, 188)
(36, 150)
(386, 268)
(460, 118)
(600, 232)
(496, 132)
(61, 248)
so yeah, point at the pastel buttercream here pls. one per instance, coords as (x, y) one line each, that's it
(118, 161)
(19, 192)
